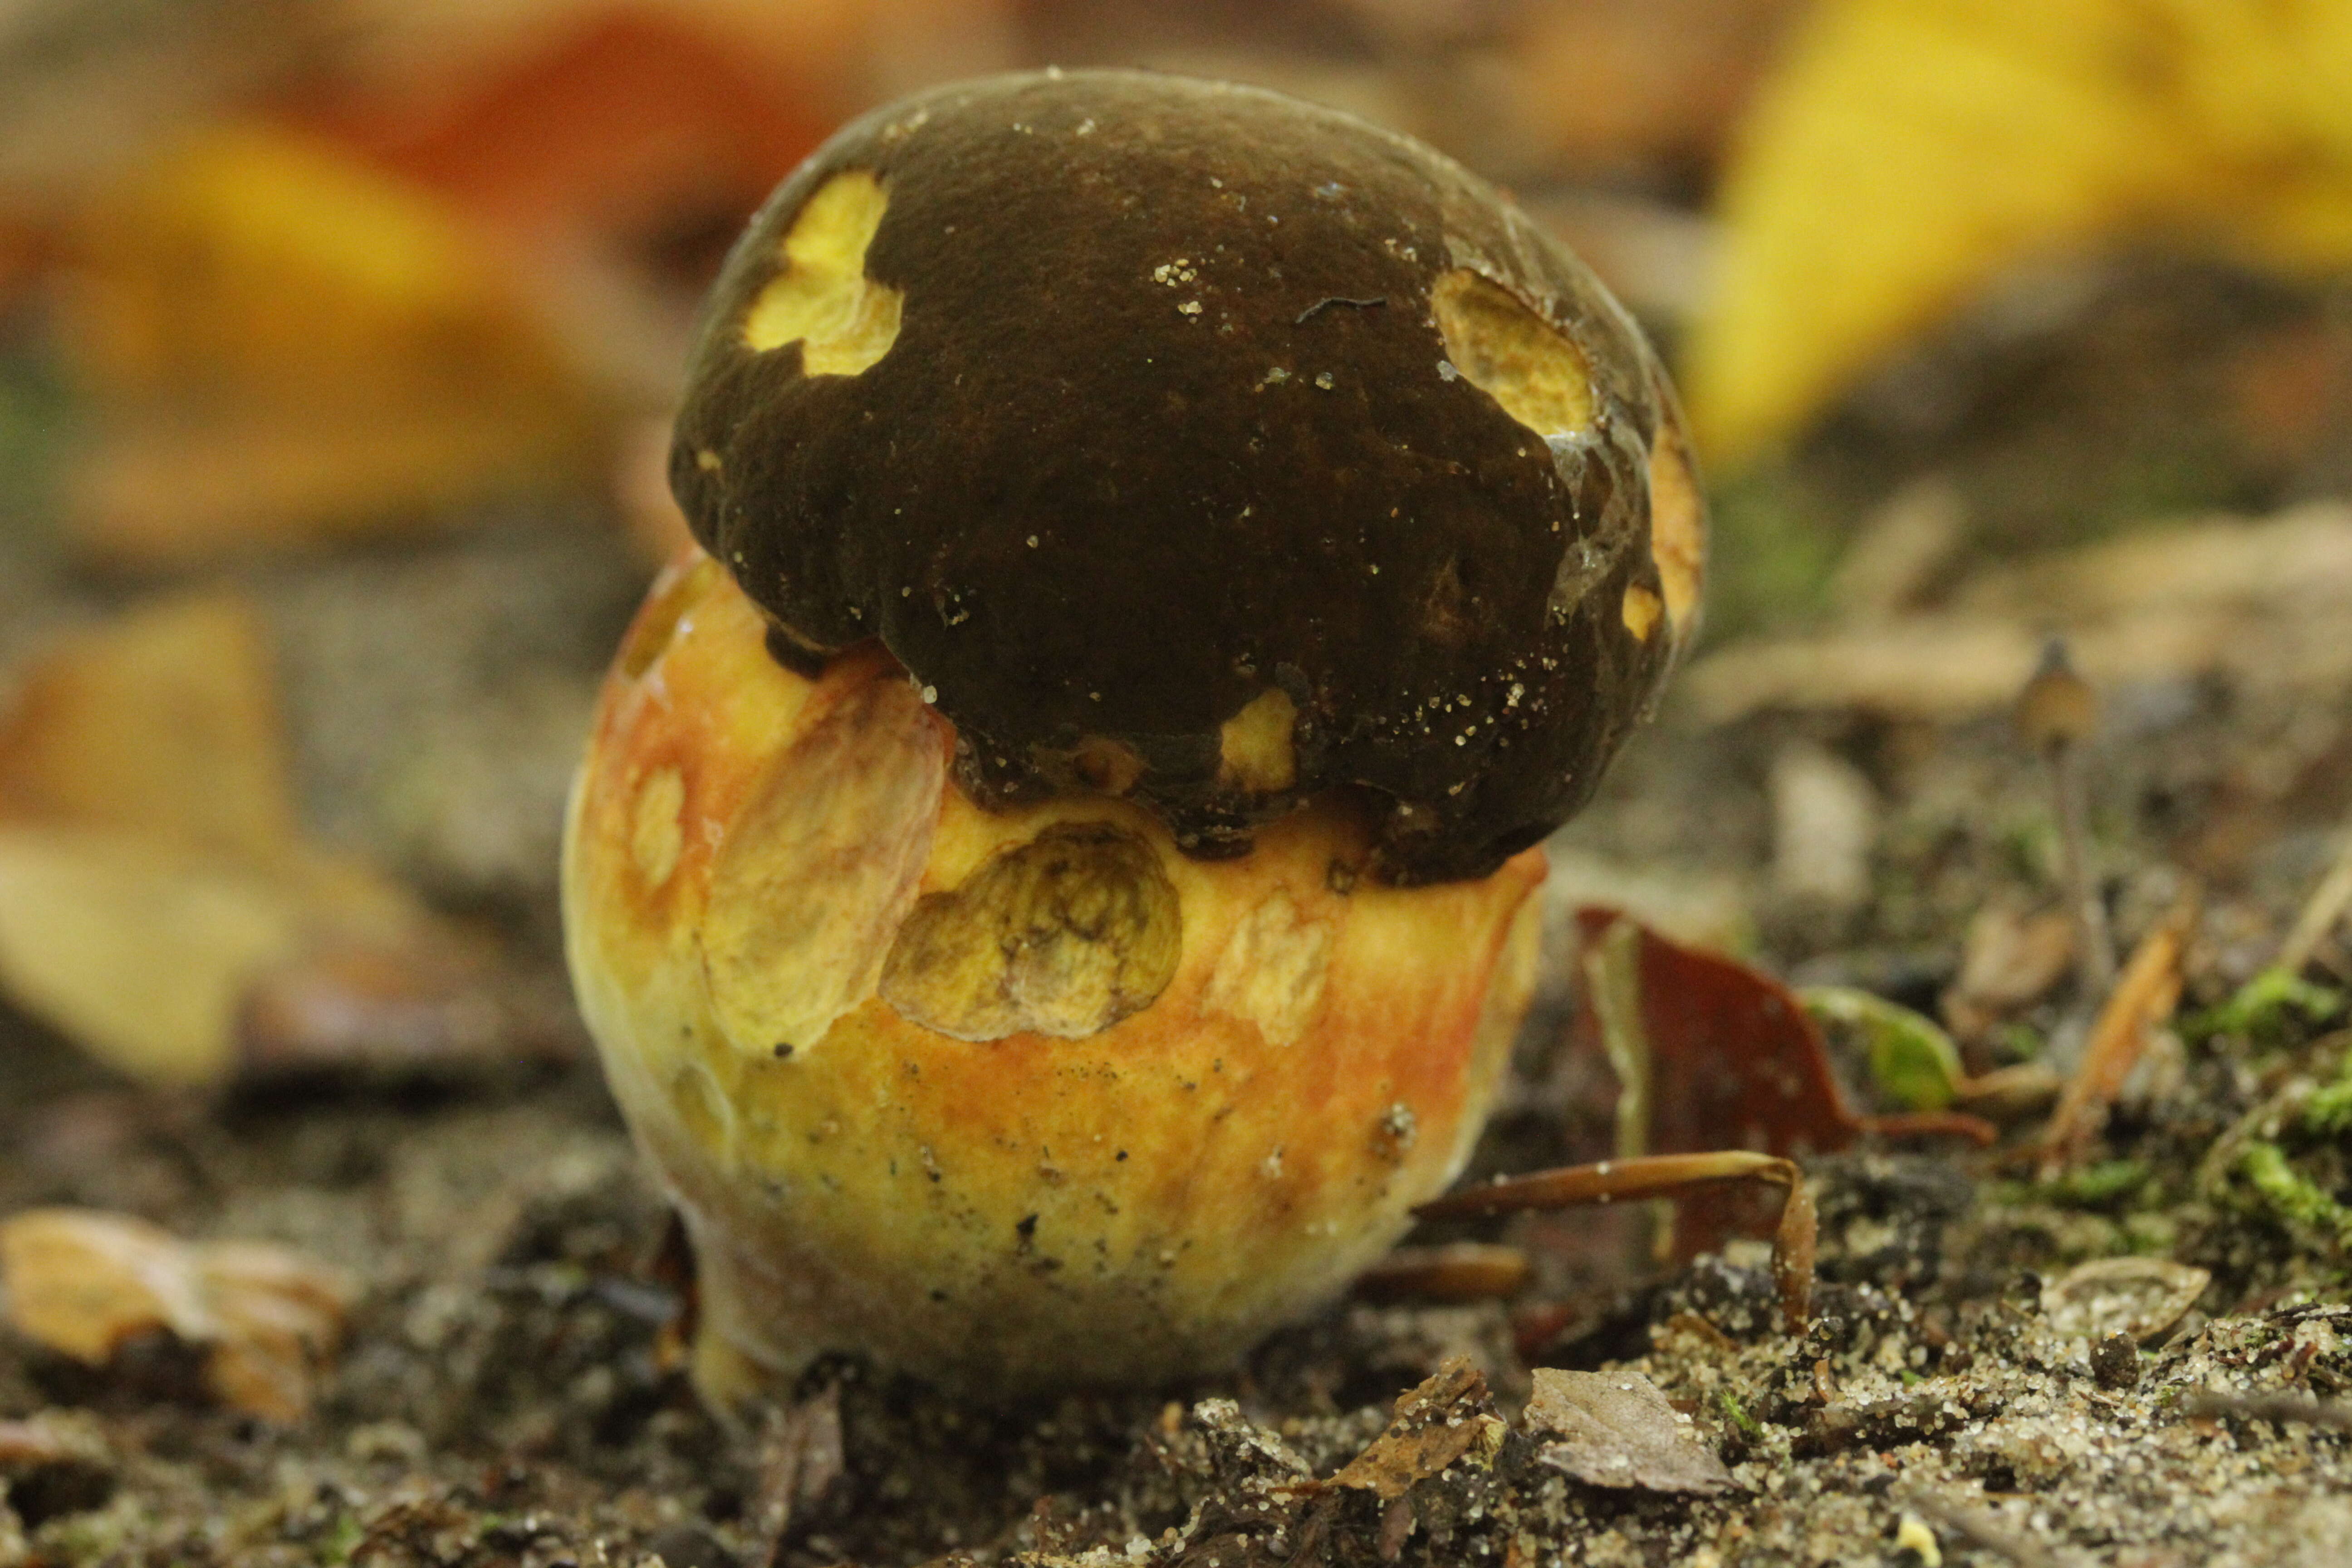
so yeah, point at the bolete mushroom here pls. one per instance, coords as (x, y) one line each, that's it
(1052, 884)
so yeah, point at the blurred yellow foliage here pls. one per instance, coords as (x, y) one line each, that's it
(1905, 151)
(265, 263)
(152, 864)
(282, 342)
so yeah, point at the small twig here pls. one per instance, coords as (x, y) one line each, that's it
(2320, 914)
(2280, 1407)
(2056, 712)
(1663, 1176)
(1463, 1271)
(1329, 300)
(1978, 1528)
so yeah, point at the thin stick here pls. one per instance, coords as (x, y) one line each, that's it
(1664, 1176)
(2056, 712)
(1610, 1180)
(2320, 912)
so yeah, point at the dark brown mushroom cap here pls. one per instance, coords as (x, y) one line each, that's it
(1114, 403)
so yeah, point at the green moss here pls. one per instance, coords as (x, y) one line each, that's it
(2265, 1009)
(2289, 1194)
(2107, 1185)
(1728, 1405)
(342, 1539)
(2329, 1112)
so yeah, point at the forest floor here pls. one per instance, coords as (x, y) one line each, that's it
(502, 1393)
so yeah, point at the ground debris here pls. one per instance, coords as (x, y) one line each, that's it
(265, 1318)
(1616, 1429)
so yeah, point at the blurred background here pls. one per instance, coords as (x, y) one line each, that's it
(336, 338)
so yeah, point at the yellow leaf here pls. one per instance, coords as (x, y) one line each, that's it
(151, 866)
(144, 951)
(164, 720)
(84, 1282)
(282, 341)
(1906, 151)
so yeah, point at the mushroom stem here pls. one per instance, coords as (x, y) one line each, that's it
(2056, 711)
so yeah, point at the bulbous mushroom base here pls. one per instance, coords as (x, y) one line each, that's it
(1010, 1100)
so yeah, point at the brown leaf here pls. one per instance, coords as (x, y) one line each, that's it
(1616, 1429)
(155, 885)
(84, 1282)
(2144, 998)
(425, 1005)
(1713, 1054)
(1436, 1422)
(2009, 961)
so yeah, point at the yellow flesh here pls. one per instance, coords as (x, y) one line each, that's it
(843, 319)
(1512, 354)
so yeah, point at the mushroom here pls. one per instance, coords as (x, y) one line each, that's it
(1052, 884)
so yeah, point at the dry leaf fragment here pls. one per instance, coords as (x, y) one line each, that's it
(1436, 1422)
(84, 1282)
(2266, 603)
(2142, 1296)
(154, 874)
(142, 951)
(163, 720)
(1616, 1429)
(801, 1456)
(277, 337)
(424, 1004)
(2009, 961)
(2143, 999)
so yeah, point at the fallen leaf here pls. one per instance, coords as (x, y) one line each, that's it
(2142, 1296)
(164, 720)
(83, 1283)
(168, 488)
(1616, 1429)
(2144, 998)
(276, 337)
(1440, 1420)
(1912, 1061)
(424, 1003)
(1824, 823)
(1713, 1054)
(158, 901)
(1996, 130)
(142, 951)
(1601, 87)
(2010, 960)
